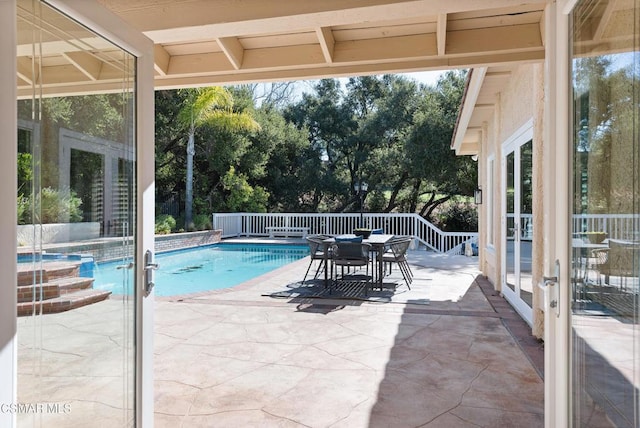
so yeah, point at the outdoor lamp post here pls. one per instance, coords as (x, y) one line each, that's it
(361, 188)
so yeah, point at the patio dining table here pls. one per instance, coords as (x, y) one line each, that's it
(377, 243)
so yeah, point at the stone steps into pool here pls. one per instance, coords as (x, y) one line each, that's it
(50, 271)
(61, 289)
(63, 303)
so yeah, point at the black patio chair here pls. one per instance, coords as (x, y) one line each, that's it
(316, 249)
(396, 252)
(350, 255)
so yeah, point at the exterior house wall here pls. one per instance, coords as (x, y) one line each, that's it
(520, 101)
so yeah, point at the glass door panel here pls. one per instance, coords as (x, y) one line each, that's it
(526, 222)
(511, 246)
(605, 234)
(76, 210)
(518, 166)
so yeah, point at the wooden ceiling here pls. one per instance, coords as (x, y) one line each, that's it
(599, 28)
(210, 42)
(203, 42)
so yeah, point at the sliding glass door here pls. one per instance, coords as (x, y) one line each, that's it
(605, 357)
(79, 353)
(517, 166)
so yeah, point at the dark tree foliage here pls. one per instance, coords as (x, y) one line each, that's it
(306, 157)
(391, 133)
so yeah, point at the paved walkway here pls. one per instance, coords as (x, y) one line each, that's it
(447, 353)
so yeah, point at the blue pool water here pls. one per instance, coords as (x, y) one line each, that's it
(206, 268)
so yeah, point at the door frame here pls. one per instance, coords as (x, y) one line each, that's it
(95, 17)
(523, 135)
(556, 207)
(8, 208)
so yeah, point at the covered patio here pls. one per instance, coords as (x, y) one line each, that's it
(450, 352)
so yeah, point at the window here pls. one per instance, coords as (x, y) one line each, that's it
(489, 201)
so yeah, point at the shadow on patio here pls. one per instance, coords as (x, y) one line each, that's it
(438, 355)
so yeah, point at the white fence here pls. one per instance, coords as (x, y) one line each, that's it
(256, 224)
(616, 226)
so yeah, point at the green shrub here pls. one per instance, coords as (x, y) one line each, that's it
(51, 206)
(202, 222)
(165, 224)
(23, 209)
(458, 217)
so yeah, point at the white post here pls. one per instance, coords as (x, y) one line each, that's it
(8, 210)
(557, 212)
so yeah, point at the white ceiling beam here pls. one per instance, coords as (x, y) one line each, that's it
(22, 82)
(497, 74)
(64, 75)
(78, 88)
(441, 33)
(509, 38)
(231, 76)
(161, 59)
(88, 64)
(26, 70)
(201, 19)
(371, 51)
(284, 57)
(199, 64)
(54, 47)
(233, 49)
(604, 20)
(394, 48)
(327, 42)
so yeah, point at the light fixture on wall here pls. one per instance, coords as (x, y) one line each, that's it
(477, 196)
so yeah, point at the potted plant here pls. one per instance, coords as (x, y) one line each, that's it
(596, 237)
(361, 231)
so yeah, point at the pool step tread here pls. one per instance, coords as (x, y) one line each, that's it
(50, 271)
(58, 288)
(64, 302)
(69, 285)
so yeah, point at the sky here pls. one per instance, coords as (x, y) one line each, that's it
(426, 77)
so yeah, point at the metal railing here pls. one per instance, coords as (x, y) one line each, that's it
(256, 224)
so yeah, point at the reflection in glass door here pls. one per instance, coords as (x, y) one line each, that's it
(76, 209)
(518, 221)
(605, 237)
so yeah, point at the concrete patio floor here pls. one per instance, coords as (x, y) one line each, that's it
(443, 354)
(450, 352)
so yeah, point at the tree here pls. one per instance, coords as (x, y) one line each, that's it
(443, 174)
(211, 106)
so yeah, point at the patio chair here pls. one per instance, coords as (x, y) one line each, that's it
(618, 260)
(397, 253)
(316, 249)
(349, 254)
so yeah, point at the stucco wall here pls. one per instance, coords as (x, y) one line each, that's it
(520, 101)
(517, 101)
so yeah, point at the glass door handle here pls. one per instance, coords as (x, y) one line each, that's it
(149, 267)
(127, 266)
(553, 284)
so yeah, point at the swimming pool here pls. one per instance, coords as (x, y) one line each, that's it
(206, 268)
